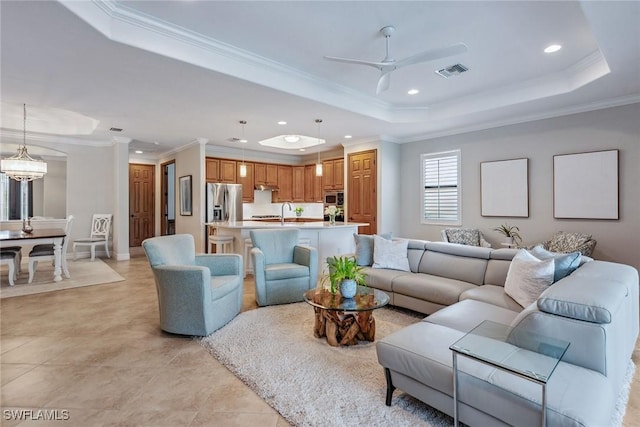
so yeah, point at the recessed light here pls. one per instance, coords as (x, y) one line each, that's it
(138, 152)
(292, 138)
(282, 123)
(348, 137)
(413, 92)
(302, 149)
(552, 48)
(244, 141)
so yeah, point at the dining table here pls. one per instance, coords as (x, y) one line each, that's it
(36, 237)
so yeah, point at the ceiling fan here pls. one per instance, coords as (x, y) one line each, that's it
(388, 64)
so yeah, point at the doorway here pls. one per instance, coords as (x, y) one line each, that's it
(141, 203)
(168, 198)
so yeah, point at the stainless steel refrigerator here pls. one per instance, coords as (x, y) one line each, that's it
(224, 202)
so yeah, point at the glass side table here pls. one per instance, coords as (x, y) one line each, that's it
(528, 355)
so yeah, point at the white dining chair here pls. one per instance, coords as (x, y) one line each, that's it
(100, 228)
(45, 252)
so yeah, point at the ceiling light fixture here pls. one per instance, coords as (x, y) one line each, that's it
(318, 165)
(348, 137)
(138, 152)
(282, 123)
(552, 48)
(413, 92)
(243, 167)
(292, 138)
(22, 167)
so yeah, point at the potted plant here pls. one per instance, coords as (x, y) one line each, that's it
(332, 211)
(299, 210)
(346, 274)
(511, 232)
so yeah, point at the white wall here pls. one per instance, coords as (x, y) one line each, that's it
(54, 191)
(613, 128)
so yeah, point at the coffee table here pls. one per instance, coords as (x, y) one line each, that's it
(345, 321)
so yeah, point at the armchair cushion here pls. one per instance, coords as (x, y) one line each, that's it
(285, 271)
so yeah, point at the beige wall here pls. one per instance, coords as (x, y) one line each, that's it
(191, 161)
(612, 128)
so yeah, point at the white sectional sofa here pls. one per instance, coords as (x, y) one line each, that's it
(595, 308)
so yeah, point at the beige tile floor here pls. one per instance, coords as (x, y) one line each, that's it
(98, 353)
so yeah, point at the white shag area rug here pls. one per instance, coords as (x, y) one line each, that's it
(273, 351)
(84, 272)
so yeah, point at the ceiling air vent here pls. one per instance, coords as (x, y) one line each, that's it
(233, 139)
(451, 71)
(115, 130)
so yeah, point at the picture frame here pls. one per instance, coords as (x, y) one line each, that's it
(504, 188)
(186, 207)
(586, 185)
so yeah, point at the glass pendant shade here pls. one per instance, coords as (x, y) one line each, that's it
(318, 169)
(23, 167)
(243, 170)
(318, 165)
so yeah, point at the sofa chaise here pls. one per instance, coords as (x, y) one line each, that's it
(595, 308)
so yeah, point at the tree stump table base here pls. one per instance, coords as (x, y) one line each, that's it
(344, 328)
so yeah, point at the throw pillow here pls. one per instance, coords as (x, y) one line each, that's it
(564, 241)
(390, 254)
(528, 277)
(364, 248)
(565, 264)
(463, 236)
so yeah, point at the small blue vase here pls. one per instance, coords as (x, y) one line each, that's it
(348, 288)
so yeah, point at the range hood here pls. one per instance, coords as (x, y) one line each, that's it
(265, 187)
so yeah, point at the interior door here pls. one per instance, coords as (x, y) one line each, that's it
(141, 203)
(362, 190)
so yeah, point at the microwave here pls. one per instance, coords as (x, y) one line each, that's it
(334, 198)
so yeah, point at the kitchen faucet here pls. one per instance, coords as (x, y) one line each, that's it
(282, 212)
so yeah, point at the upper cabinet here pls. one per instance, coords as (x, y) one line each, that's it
(220, 170)
(297, 193)
(285, 185)
(333, 174)
(247, 182)
(312, 185)
(266, 174)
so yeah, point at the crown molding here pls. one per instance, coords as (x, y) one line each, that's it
(41, 137)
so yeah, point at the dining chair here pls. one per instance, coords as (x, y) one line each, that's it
(8, 258)
(45, 252)
(100, 227)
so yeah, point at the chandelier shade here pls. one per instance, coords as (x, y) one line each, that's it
(23, 167)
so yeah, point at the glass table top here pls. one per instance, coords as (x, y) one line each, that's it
(365, 299)
(523, 352)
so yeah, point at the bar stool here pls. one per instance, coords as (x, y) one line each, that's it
(221, 243)
(248, 265)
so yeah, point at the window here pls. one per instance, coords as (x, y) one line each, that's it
(441, 184)
(12, 198)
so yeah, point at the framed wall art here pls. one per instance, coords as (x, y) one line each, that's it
(504, 188)
(585, 185)
(185, 195)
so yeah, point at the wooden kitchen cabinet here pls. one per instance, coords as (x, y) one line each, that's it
(297, 192)
(227, 171)
(247, 182)
(266, 174)
(285, 184)
(333, 174)
(312, 185)
(212, 170)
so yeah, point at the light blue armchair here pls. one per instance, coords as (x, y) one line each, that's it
(283, 269)
(197, 294)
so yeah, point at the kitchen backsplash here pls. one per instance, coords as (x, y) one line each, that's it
(262, 206)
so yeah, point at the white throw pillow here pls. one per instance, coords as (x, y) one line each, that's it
(528, 277)
(390, 254)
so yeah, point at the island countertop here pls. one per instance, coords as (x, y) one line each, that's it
(313, 225)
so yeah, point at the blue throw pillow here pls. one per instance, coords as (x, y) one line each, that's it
(364, 248)
(565, 264)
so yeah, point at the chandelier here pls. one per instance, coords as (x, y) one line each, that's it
(23, 167)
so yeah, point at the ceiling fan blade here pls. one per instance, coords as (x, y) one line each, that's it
(432, 54)
(383, 83)
(377, 65)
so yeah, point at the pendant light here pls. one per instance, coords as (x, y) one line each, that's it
(318, 165)
(23, 167)
(243, 167)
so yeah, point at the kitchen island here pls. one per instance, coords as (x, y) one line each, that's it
(329, 239)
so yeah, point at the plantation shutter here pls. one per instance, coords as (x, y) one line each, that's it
(441, 187)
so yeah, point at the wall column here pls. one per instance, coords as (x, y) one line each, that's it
(121, 198)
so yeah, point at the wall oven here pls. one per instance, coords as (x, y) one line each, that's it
(335, 198)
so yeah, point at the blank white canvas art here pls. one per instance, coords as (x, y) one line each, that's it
(505, 188)
(585, 185)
